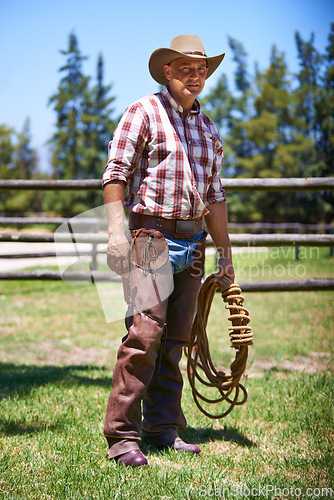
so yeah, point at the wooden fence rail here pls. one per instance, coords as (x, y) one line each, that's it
(52, 220)
(250, 184)
(253, 226)
(240, 240)
(310, 284)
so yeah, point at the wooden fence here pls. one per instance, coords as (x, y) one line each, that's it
(250, 184)
(240, 240)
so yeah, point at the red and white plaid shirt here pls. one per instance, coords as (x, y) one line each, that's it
(171, 166)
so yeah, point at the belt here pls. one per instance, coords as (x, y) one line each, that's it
(180, 228)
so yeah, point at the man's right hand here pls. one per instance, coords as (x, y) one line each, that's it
(118, 250)
(118, 254)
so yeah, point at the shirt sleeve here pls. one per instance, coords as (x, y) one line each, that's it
(127, 145)
(216, 191)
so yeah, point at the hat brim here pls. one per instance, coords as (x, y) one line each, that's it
(160, 57)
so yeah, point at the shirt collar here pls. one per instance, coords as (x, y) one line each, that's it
(175, 105)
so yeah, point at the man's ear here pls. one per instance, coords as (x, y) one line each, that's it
(167, 71)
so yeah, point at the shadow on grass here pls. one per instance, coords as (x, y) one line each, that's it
(199, 435)
(14, 428)
(21, 379)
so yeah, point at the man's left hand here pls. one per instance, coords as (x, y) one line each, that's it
(225, 269)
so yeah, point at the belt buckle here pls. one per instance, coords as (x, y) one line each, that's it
(185, 226)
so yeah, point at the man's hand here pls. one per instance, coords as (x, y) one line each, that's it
(225, 269)
(118, 254)
(118, 250)
(217, 225)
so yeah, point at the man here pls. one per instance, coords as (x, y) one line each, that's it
(164, 164)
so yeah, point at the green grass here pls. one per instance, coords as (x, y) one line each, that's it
(58, 355)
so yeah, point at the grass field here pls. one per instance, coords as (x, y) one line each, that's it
(57, 357)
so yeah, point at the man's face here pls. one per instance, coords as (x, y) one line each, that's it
(186, 77)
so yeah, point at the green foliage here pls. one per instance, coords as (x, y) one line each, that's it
(84, 128)
(324, 110)
(7, 152)
(280, 126)
(18, 160)
(240, 57)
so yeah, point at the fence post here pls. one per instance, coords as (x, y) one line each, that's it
(94, 248)
(297, 248)
(330, 231)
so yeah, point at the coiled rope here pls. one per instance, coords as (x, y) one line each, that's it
(198, 352)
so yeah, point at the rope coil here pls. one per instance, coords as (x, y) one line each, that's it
(198, 352)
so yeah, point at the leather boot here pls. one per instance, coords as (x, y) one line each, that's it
(134, 458)
(180, 446)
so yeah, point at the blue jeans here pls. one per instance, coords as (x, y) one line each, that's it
(181, 252)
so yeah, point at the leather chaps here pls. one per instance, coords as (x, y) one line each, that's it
(147, 381)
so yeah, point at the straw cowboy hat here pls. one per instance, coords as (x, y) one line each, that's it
(181, 46)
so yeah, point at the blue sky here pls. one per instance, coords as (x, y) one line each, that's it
(33, 32)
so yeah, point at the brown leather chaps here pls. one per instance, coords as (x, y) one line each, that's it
(147, 382)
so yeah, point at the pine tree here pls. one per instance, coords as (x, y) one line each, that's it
(306, 94)
(7, 152)
(229, 111)
(325, 110)
(276, 151)
(218, 105)
(98, 126)
(268, 128)
(325, 121)
(26, 168)
(241, 76)
(242, 107)
(67, 141)
(84, 128)
(26, 156)
(106, 125)
(272, 129)
(7, 161)
(308, 107)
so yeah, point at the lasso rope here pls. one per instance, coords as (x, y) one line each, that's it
(198, 352)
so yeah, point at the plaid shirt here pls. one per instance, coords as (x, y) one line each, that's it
(171, 165)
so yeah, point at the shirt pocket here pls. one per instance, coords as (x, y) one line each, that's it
(202, 148)
(213, 148)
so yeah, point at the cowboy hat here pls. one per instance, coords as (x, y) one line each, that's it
(181, 46)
